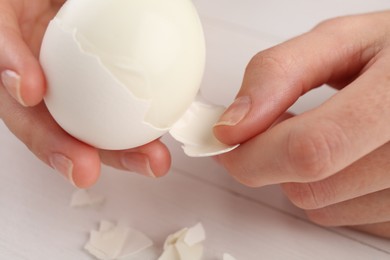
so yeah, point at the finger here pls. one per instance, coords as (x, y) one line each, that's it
(282, 118)
(239, 176)
(152, 160)
(368, 175)
(377, 229)
(369, 209)
(333, 52)
(20, 71)
(76, 161)
(312, 146)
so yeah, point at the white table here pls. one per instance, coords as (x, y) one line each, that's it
(37, 223)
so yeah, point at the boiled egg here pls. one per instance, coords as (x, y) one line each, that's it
(121, 73)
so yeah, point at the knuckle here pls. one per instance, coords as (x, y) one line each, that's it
(312, 150)
(337, 26)
(330, 24)
(275, 60)
(308, 154)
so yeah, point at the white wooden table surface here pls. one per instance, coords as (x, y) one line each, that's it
(37, 223)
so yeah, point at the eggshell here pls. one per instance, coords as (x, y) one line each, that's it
(86, 198)
(116, 241)
(195, 235)
(120, 73)
(135, 244)
(195, 130)
(107, 243)
(185, 244)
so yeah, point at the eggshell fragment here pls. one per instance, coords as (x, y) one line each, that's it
(173, 238)
(170, 253)
(85, 198)
(116, 242)
(150, 253)
(195, 235)
(185, 244)
(107, 243)
(195, 130)
(135, 243)
(187, 252)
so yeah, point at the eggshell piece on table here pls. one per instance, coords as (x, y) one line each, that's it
(116, 241)
(195, 235)
(107, 243)
(86, 198)
(187, 252)
(136, 243)
(185, 244)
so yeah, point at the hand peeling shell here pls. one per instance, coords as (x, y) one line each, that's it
(121, 73)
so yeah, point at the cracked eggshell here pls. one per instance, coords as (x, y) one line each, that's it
(120, 73)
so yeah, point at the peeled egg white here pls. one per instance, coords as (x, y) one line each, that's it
(121, 73)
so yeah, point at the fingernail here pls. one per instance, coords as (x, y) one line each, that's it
(11, 81)
(63, 165)
(236, 112)
(137, 162)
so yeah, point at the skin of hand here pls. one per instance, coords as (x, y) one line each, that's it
(22, 88)
(332, 161)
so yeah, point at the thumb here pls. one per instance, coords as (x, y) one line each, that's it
(21, 73)
(277, 77)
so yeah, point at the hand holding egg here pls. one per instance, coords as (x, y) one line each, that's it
(23, 80)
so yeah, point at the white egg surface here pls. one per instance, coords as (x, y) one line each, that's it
(120, 73)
